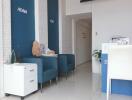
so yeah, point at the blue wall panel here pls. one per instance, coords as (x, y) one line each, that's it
(53, 25)
(22, 26)
(118, 86)
(104, 58)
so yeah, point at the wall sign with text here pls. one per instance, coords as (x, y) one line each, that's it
(22, 10)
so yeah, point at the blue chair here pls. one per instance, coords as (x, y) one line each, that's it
(66, 63)
(47, 68)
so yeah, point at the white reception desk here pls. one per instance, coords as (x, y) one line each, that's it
(117, 59)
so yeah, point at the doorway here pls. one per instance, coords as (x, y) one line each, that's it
(82, 38)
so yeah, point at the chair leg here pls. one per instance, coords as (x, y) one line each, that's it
(66, 74)
(56, 79)
(22, 98)
(50, 82)
(41, 86)
(73, 71)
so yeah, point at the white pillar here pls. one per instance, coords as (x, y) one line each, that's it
(6, 29)
(36, 7)
(60, 26)
(41, 21)
(5, 37)
(1, 51)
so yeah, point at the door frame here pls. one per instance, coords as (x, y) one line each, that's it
(74, 37)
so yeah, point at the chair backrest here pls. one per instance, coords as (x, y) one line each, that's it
(120, 62)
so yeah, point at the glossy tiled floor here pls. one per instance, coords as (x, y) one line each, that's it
(82, 85)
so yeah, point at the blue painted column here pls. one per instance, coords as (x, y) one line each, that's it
(53, 25)
(22, 26)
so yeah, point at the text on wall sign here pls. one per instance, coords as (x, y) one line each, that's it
(22, 10)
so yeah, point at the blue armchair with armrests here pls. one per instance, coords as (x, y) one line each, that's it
(47, 68)
(66, 63)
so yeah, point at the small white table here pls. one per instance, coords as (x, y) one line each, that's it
(20, 79)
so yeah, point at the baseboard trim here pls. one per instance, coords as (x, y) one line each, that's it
(83, 63)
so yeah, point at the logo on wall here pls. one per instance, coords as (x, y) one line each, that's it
(22, 10)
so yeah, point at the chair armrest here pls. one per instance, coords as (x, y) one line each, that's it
(70, 58)
(50, 62)
(39, 63)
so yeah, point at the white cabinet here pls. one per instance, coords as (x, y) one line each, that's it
(20, 78)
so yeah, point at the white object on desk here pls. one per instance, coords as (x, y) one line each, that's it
(120, 40)
(20, 79)
(119, 64)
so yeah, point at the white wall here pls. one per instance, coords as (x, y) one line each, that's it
(65, 29)
(110, 18)
(83, 41)
(75, 7)
(1, 48)
(41, 20)
(5, 37)
(6, 29)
